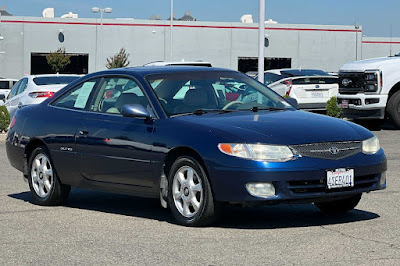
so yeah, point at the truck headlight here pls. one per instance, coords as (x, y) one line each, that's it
(371, 145)
(258, 152)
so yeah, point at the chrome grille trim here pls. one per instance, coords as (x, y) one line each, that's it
(328, 150)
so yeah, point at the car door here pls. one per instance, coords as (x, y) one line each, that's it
(63, 118)
(117, 149)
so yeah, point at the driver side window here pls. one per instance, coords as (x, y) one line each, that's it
(115, 92)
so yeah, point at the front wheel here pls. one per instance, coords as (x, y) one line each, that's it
(393, 108)
(43, 181)
(339, 206)
(189, 193)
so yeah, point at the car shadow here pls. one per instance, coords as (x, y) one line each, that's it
(376, 125)
(261, 217)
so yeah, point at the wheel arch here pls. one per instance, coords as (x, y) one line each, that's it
(32, 145)
(394, 89)
(177, 152)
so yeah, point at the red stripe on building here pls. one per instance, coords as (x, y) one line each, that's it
(377, 42)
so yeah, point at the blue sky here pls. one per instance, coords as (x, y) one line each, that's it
(375, 16)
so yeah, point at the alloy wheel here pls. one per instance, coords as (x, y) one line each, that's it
(42, 175)
(187, 191)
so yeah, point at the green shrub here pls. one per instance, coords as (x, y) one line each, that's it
(332, 109)
(4, 118)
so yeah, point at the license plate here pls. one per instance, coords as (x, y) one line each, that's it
(340, 178)
(344, 104)
(315, 94)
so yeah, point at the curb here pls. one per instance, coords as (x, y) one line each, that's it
(2, 137)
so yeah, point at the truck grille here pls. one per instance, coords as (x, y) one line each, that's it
(351, 83)
(328, 150)
(319, 186)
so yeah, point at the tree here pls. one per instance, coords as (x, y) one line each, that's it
(4, 119)
(332, 108)
(118, 60)
(58, 60)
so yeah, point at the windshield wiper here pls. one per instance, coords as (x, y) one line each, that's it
(205, 111)
(255, 109)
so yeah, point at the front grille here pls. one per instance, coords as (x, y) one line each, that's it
(320, 186)
(354, 82)
(328, 150)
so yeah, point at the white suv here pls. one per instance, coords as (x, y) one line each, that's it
(35, 89)
(311, 88)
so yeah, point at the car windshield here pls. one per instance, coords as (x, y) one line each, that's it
(206, 91)
(40, 81)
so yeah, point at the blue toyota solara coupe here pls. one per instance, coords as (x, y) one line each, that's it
(194, 137)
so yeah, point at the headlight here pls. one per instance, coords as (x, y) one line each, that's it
(259, 152)
(371, 145)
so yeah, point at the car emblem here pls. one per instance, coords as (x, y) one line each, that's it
(317, 86)
(334, 150)
(346, 82)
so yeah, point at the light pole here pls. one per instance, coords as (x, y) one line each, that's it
(261, 40)
(98, 42)
(171, 39)
(357, 26)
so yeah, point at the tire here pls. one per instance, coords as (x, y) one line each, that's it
(339, 206)
(183, 190)
(393, 109)
(44, 183)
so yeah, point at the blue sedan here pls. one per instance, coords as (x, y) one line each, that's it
(197, 138)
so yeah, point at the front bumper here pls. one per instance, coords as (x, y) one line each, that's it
(306, 184)
(363, 106)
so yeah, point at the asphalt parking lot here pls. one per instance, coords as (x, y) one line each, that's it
(100, 228)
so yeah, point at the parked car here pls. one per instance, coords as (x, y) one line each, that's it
(179, 63)
(311, 88)
(6, 85)
(370, 89)
(35, 89)
(131, 131)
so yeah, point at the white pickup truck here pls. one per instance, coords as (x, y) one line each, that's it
(370, 89)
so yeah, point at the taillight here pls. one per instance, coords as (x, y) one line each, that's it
(288, 84)
(13, 121)
(41, 94)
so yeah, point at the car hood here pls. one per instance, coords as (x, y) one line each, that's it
(374, 63)
(279, 127)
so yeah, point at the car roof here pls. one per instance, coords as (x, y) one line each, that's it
(52, 75)
(179, 63)
(148, 70)
(293, 71)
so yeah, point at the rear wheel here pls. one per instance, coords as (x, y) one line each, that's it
(43, 181)
(189, 193)
(393, 108)
(339, 206)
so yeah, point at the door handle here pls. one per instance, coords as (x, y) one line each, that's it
(83, 132)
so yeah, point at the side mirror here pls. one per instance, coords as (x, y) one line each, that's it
(293, 102)
(135, 110)
(2, 97)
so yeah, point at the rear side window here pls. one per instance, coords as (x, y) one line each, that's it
(22, 87)
(41, 81)
(4, 85)
(78, 97)
(14, 90)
